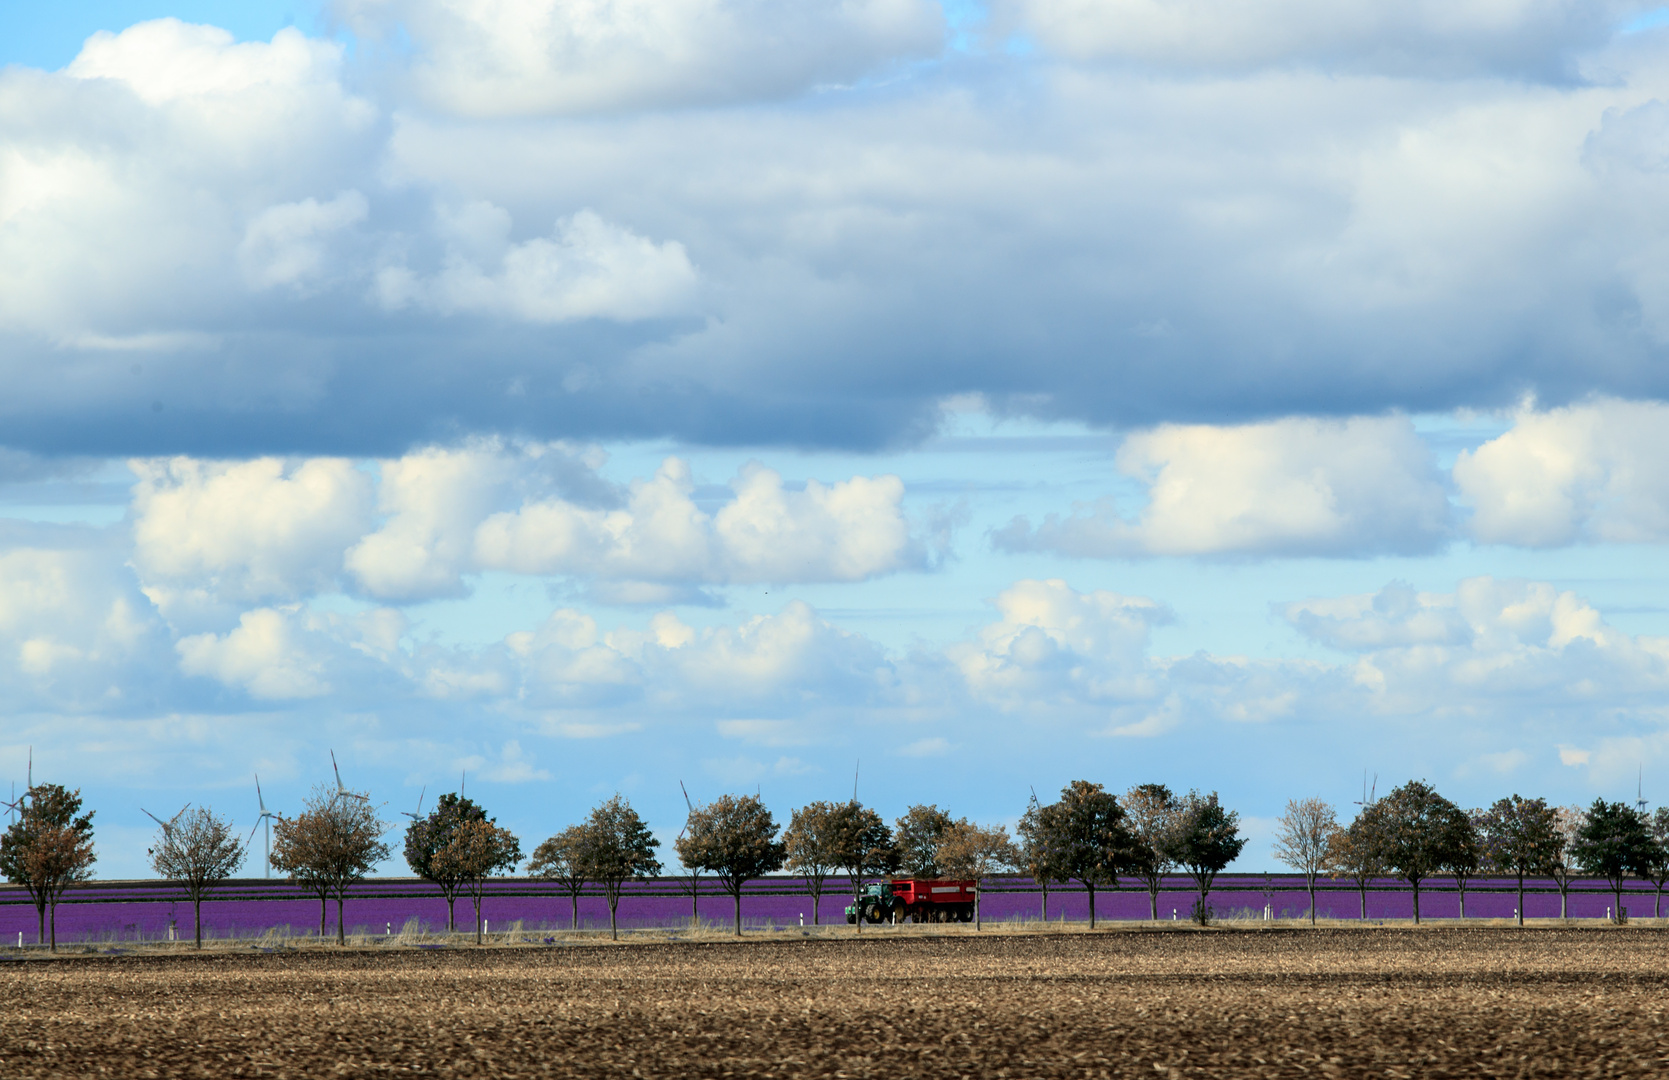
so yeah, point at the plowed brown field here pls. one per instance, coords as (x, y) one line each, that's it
(1487, 1002)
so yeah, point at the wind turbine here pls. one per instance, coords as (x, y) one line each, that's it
(265, 817)
(418, 816)
(167, 826)
(341, 789)
(1367, 798)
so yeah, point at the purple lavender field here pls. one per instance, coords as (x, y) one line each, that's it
(143, 910)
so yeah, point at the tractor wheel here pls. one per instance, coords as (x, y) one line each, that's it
(874, 913)
(851, 918)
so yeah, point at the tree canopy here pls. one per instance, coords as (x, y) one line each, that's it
(735, 839)
(198, 850)
(47, 849)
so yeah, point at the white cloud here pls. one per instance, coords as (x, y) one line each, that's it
(245, 531)
(579, 730)
(1286, 487)
(1490, 641)
(847, 531)
(567, 56)
(511, 766)
(432, 500)
(589, 268)
(1429, 37)
(289, 244)
(1054, 645)
(127, 181)
(1596, 472)
(265, 655)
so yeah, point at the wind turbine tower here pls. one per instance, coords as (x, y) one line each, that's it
(264, 818)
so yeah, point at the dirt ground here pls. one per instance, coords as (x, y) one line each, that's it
(1376, 1002)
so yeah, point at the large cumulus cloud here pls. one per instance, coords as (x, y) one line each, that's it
(555, 219)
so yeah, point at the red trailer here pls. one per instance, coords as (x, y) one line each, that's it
(933, 900)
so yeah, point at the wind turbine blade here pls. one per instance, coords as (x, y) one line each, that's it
(252, 832)
(258, 796)
(337, 771)
(686, 792)
(420, 795)
(166, 825)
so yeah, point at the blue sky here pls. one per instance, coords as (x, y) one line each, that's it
(997, 396)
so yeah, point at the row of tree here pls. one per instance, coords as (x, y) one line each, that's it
(1088, 836)
(1415, 834)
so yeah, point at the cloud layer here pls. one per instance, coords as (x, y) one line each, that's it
(811, 225)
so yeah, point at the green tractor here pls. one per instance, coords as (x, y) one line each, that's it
(877, 903)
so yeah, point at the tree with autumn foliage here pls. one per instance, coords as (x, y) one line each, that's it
(428, 835)
(1303, 838)
(809, 847)
(335, 841)
(1520, 837)
(966, 850)
(476, 850)
(48, 848)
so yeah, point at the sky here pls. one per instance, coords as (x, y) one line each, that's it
(557, 399)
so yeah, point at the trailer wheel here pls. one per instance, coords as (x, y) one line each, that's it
(967, 914)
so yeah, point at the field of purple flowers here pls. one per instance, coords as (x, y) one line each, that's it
(143, 910)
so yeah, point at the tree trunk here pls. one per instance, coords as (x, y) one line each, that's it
(695, 902)
(1153, 897)
(451, 911)
(1616, 896)
(1045, 901)
(197, 911)
(1461, 889)
(736, 894)
(1657, 912)
(40, 913)
(816, 902)
(1312, 899)
(324, 906)
(476, 898)
(1416, 887)
(1564, 888)
(613, 926)
(1091, 890)
(575, 897)
(976, 905)
(1362, 887)
(341, 931)
(52, 924)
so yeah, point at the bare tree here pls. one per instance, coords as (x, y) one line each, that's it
(334, 842)
(1354, 852)
(862, 845)
(199, 851)
(617, 848)
(1038, 853)
(1150, 812)
(809, 846)
(1303, 838)
(477, 850)
(1521, 837)
(562, 859)
(735, 839)
(968, 851)
(1564, 869)
(48, 848)
(428, 835)
(916, 835)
